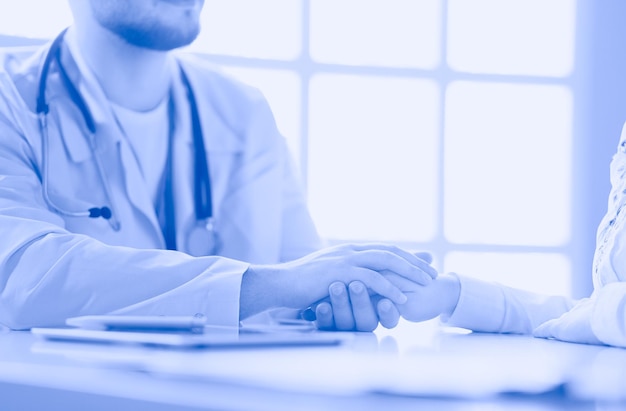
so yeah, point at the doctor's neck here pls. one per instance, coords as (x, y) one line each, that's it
(130, 76)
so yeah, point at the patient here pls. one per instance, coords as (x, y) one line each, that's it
(488, 307)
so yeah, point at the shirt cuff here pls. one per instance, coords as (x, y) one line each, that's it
(481, 306)
(608, 321)
(224, 291)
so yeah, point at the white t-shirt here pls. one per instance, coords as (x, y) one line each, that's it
(147, 133)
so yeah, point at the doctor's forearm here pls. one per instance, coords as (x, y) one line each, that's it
(65, 275)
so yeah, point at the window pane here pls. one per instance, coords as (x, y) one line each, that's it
(507, 164)
(536, 272)
(282, 90)
(532, 37)
(372, 157)
(401, 33)
(269, 29)
(34, 18)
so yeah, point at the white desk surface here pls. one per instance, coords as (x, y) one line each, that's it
(415, 366)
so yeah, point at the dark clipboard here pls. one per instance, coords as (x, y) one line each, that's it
(180, 332)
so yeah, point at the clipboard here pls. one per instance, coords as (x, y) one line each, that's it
(147, 323)
(219, 340)
(181, 324)
(185, 332)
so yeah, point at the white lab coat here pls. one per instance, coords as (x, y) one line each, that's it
(53, 267)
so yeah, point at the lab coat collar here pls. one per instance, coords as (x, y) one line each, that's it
(70, 121)
(107, 141)
(88, 84)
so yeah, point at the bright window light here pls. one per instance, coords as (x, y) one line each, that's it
(399, 33)
(268, 29)
(442, 125)
(508, 165)
(372, 157)
(34, 18)
(527, 37)
(537, 272)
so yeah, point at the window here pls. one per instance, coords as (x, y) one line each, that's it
(40, 19)
(432, 124)
(444, 125)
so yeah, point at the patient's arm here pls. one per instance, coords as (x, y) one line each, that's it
(481, 306)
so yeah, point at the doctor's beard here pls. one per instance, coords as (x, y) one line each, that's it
(152, 24)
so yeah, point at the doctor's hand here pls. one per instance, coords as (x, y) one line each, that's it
(351, 307)
(302, 282)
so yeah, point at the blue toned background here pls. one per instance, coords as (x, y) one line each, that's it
(479, 129)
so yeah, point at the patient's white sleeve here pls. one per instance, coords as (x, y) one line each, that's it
(608, 320)
(492, 307)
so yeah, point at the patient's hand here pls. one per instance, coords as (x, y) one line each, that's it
(573, 326)
(427, 302)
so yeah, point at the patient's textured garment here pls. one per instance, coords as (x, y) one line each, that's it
(600, 319)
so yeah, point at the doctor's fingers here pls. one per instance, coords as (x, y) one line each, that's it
(365, 317)
(417, 271)
(401, 282)
(419, 259)
(324, 316)
(350, 308)
(340, 302)
(388, 313)
(375, 281)
(424, 255)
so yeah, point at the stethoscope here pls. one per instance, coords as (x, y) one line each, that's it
(202, 238)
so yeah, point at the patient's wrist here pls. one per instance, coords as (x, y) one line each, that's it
(451, 293)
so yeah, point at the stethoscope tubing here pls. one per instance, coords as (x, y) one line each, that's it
(202, 187)
(94, 212)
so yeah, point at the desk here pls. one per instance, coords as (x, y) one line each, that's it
(384, 370)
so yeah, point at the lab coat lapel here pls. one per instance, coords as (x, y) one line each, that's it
(222, 147)
(108, 142)
(182, 156)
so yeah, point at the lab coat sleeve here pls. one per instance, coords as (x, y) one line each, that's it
(491, 307)
(48, 274)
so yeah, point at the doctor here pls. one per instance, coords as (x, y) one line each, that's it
(137, 181)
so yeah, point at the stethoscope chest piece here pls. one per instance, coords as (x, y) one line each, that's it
(202, 239)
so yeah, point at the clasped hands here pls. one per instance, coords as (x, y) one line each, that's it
(353, 287)
(353, 306)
